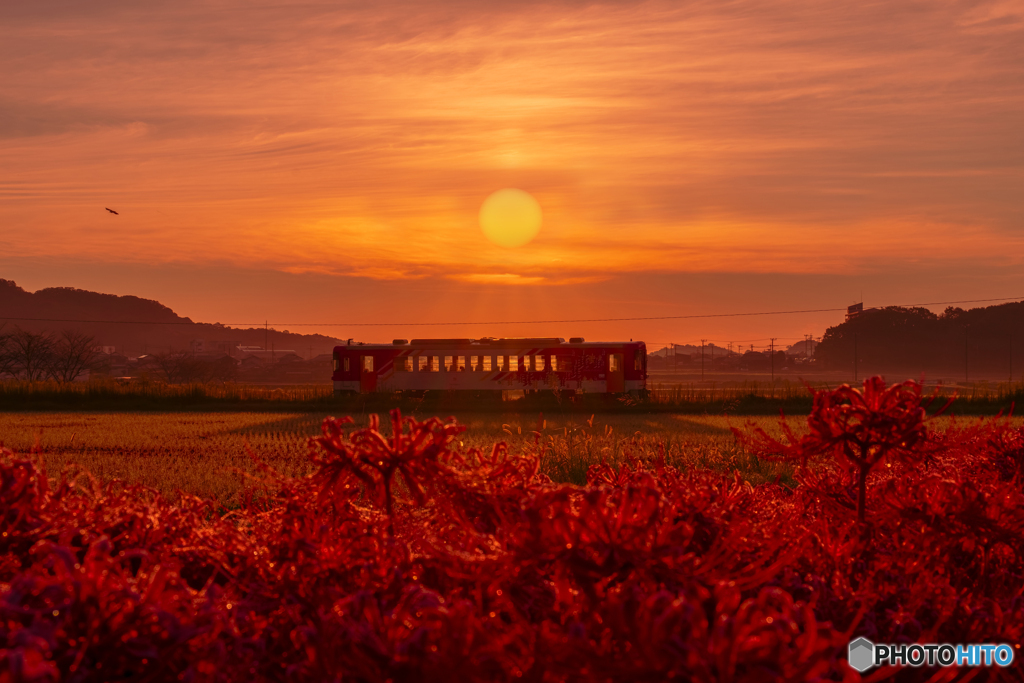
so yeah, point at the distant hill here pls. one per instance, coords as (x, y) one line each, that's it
(980, 343)
(710, 349)
(134, 325)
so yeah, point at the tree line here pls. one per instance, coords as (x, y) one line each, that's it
(985, 341)
(65, 356)
(36, 356)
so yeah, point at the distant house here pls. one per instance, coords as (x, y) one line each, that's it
(251, 362)
(290, 358)
(273, 355)
(229, 348)
(145, 361)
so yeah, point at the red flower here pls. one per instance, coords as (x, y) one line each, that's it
(368, 458)
(858, 428)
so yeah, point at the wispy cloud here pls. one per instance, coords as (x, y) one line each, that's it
(360, 140)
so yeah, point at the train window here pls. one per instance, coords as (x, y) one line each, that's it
(486, 364)
(421, 363)
(636, 361)
(404, 364)
(345, 364)
(448, 361)
(368, 363)
(435, 363)
(502, 362)
(474, 363)
(553, 363)
(460, 363)
(613, 362)
(538, 363)
(336, 364)
(513, 363)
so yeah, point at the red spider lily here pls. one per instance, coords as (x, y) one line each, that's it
(859, 428)
(372, 460)
(482, 569)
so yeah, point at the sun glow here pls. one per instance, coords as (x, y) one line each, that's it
(510, 218)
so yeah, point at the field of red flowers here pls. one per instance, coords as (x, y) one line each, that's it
(402, 559)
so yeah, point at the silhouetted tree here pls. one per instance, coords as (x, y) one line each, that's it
(73, 353)
(224, 369)
(6, 355)
(31, 354)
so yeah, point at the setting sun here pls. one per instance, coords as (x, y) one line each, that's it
(510, 217)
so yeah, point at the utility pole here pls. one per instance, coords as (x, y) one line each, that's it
(808, 338)
(1011, 358)
(966, 355)
(773, 359)
(854, 356)
(702, 342)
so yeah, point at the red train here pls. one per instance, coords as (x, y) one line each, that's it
(489, 364)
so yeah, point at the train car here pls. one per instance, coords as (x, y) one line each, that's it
(492, 365)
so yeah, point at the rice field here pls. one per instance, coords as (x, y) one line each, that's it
(205, 454)
(210, 454)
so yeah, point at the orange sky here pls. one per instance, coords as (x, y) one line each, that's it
(327, 162)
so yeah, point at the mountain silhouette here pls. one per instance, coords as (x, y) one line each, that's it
(134, 325)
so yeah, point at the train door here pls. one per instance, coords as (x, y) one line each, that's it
(616, 374)
(367, 375)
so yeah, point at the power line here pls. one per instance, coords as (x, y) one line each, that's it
(503, 322)
(696, 342)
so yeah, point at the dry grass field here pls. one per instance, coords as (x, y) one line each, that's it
(205, 453)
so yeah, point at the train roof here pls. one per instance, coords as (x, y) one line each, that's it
(493, 342)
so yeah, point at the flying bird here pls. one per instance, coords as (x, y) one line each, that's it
(112, 211)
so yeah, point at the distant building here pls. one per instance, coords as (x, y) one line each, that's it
(273, 355)
(229, 348)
